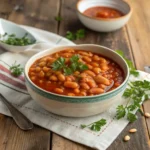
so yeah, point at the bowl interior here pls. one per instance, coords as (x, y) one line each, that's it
(116, 4)
(88, 47)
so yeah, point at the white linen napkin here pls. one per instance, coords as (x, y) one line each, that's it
(14, 90)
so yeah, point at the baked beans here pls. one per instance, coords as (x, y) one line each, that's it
(99, 74)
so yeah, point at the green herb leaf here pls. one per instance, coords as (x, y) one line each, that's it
(74, 58)
(132, 107)
(135, 94)
(58, 64)
(74, 66)
(120, 52)
(77, 35)
(69, 69)
(71, 36)
(16, 70)
(134, 72)
(83, 67)
(95, 126)
(146, 97)
(80, 34)
(83, 126)
(128, 92)
(58, 18)
(141, 112)
(13, 40)
(131, 117)
(130, 64)
(12, 35)
(121, 112)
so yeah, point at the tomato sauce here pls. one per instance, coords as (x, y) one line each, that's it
(103, 12)
(99, 74)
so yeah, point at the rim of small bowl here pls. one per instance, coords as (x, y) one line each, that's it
(75, 97)
(105, 19)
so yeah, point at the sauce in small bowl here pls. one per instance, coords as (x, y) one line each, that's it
(102, 12)
(104, 15)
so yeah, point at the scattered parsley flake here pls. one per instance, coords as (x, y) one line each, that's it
(16, 69)
(12, 39)
(75, 36)
(80, 34)
(58, 18)
(70, 36)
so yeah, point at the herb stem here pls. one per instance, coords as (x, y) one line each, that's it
(89, 124)
(95, 126)
(141, 112)
(128, 102)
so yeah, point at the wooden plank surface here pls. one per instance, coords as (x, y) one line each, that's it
(60, 143)
(139, 33)
(33, 14)
(12, 138)
(114, 40)
(41, 13)
(37, 13)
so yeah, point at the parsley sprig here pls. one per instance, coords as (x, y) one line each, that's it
(130, 64)
(16, 69)
(75, 36)
(58, 18)
(58, 64)
(95, 126)
(135, 94)
(69, 69)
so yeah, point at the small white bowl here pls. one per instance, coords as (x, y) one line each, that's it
(104, 24)
(77, 106)
(12, 28)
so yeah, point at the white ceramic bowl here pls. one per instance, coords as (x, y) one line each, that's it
(77, 106)
(12, 28)
(102, 24)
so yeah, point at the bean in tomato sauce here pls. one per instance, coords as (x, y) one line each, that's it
(103, 12)
(91, 77)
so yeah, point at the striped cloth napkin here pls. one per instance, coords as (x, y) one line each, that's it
(14, 90)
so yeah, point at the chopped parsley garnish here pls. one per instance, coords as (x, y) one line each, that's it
(16, 69)
(12, 39)
(58, 64)
(69, 69)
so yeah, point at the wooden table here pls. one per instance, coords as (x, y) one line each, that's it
(133, 39)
